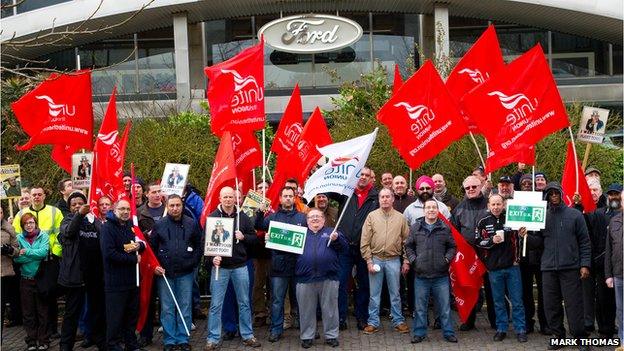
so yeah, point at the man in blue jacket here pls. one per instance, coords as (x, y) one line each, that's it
(282, 263)
(119, 253)
(176, 241)
(317, 272)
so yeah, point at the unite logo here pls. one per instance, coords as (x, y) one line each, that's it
(519, 105)
(236, 141)
(475, 75)
(247, 92)
(292, 133)
(54, 109)
(303, 149)
(421, 115)
(108, 138)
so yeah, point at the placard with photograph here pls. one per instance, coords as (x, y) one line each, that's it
(219, 236)
(252, 203)
(11, 182)
(286, 237)
(174, 178)
(593, 125)
(81, 170)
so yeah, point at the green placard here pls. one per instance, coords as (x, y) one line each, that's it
(286, 237)
(529, 215)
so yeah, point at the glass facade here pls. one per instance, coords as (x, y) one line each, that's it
(12, 7)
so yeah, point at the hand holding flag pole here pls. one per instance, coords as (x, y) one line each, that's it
(339, 218)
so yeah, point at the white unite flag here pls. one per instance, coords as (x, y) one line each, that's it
(341, 172)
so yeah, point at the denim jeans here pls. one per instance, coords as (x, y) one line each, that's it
(391, 269)
(173, 328)
(510, 279)
(279, 287)
(229, 315)
(619, 286)
(349, 257)
(439, 288)
(240, 280)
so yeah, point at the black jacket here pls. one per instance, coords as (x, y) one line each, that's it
(282, 263)
(597, 225)
(146, 221)
(119, 265)
(466, 214)
(177, 245)
(239, 251)
(354, 216)
(63, 206)
(614, 248)
(430, 252)
(565, 238)
(402, 201)
(501, 255)
(82, 256)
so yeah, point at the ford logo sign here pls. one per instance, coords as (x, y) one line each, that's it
(308, 34)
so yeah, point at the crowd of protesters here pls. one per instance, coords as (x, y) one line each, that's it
(388, 256)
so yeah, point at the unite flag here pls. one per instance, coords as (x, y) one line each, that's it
(571, 170)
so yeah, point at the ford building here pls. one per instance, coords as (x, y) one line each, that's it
(155, 51)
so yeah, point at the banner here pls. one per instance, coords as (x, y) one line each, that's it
(11, 182)
(219, 239)
(290, 126)
(174, 178)
(286, 237)
(236, 91)
(82, 167)
(571, 170)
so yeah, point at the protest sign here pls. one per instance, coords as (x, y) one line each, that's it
(219, 236)
(528, 214)
(592, 126)
(174, 178)
(252, 203)
(11, 182)
(286, 237)
(81, 170)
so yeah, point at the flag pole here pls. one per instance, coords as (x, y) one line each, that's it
(11, 207)
(576, 161)
(411, 177)
(237, 209)
(264, 163)
(175, 301)
(340, 218)
(137, 268)
(474, 141)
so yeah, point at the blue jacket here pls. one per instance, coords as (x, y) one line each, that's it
(282, 263)
(319, 262)
(177, 245)
(119, 265)
(193, 205)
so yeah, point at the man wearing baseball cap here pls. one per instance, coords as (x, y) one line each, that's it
(505, 187)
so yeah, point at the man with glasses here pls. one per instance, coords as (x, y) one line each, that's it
(424, 192)
(465, 216)
(565, 261)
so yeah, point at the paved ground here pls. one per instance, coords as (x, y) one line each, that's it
(351, 339)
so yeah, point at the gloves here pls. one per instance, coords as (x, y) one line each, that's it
(7, 250)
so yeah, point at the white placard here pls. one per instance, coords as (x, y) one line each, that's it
(174, 178)
(593, 125)
(219, 237)
(81, 170)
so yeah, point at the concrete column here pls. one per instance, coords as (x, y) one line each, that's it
(441, 31)
(182, 60)
(196, 60)
(426, 36)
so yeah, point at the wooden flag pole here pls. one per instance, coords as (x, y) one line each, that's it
(11, 207)
(474, 141)
(237, 209)
(411, 177)
(586, 156)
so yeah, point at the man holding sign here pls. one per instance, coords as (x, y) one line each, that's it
(231, 268)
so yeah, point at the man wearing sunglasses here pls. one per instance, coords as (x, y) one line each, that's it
(424, 192)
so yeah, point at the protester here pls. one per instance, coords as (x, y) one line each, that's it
(500, 252)
(526, 182)
(139, 189)
(441, 193)
(401, 198)
(424, 192)
(299, 201)
(505, 187)
(383, 234)
(613, 264)
(386, 180)
(81, 272)
(565, 261)
(104, 205)
(65, 188)
(364, 201)
(486, 183)
(120, 254)
(465, 217)
(430, 248)
(594, 173)
(49, 221)
(321, 201)
(177, 242)
(10, 249)
(317, 280)
(282, 262)
(234, 269)
(33, 249)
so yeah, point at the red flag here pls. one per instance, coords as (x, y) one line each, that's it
(223, 173)
(500, 158)
(568, 182)
(291, 125)
(422, 118)
(62, 155)
(482, 61)
(236, 91)
(522, 103)
(465, 273)
(108, 158)
(398, 80)
(148, 264)
(315, 134)
(247, 152)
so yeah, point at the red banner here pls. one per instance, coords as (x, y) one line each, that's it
(482, 61)
(398, 80)
(291, 125)
(422, 118)
(236, 91)
(501, 158)
(571, 170)
(247, 151)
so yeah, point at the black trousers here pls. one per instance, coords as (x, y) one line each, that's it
(11, 295)
(35, 313)
(563, 286)
(529, 273)
(97, 309)
(74, 301)
(122, 313)
(604, 303)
